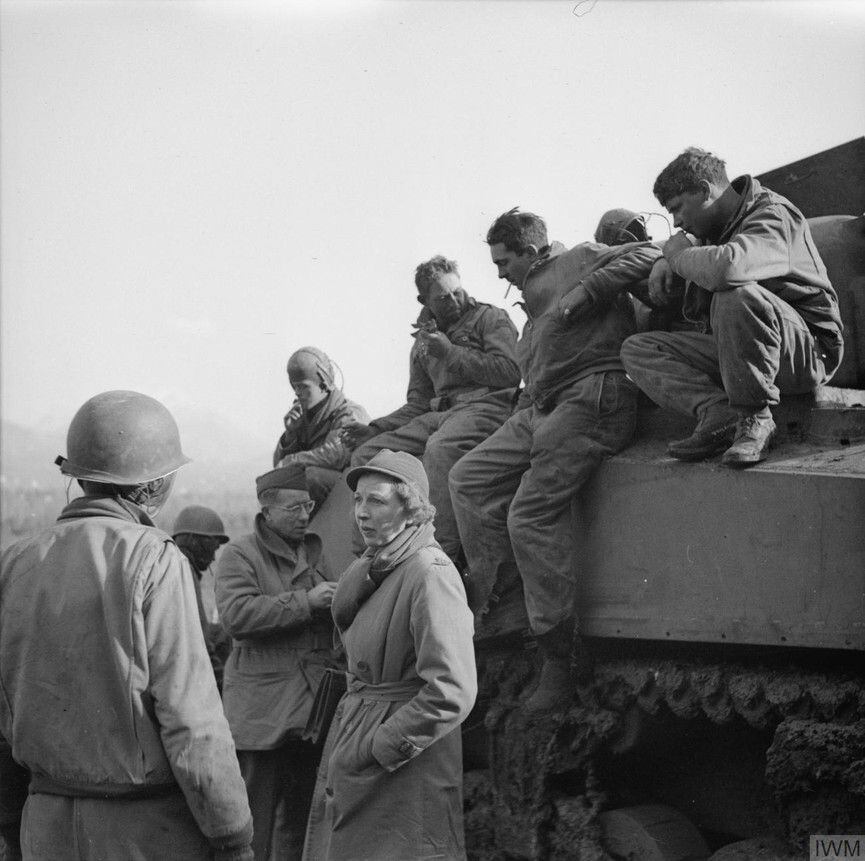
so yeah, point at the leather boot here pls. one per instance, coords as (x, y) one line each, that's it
(755, 433)
(713, 434)
(555, 680)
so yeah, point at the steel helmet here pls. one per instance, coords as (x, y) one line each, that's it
(619, 226)
(200, 520)
(123, 438)
(310, 363)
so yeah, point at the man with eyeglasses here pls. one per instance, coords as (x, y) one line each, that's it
(274, 598)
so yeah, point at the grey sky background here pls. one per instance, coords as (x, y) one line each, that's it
(192, 190)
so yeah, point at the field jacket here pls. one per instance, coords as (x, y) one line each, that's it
(481, 359)
(768, 240)
(106, 688)
(311, 438)
(556, 351)
(281, 647)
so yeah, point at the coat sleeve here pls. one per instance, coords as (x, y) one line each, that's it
(288, 443)
(420, 392)
(495, 364)
(244, 610)
(332, 453)
(193, 727)
(625, 268)
(442, 627)
(761, 250)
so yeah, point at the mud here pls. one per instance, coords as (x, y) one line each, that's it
(541, 795)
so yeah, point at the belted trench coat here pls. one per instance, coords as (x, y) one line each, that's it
(393, 785)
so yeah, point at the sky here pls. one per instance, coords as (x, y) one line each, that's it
(189, 191)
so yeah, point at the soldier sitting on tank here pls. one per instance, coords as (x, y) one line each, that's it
(756, 284)
(462, 377)
(198, 532)
(512, 494)
(311, 439)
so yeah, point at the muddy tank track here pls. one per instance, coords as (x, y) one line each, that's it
(541, 794)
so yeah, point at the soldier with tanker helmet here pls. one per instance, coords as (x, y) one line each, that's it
(274, 599)
(108, 699)
(311, 439)
(462, 373)
(198, 532)
(759, 291)
(512, 494)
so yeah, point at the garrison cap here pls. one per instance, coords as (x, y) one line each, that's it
(281, 478)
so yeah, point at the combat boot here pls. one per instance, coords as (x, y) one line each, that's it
(564, 661)
(713, 434)
(754, 436)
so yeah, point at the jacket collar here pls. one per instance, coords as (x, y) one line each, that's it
(545, 255)
(426, 315)
(105, 506)
(370, 571)
(748, 189)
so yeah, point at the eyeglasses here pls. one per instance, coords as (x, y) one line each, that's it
(296, 508)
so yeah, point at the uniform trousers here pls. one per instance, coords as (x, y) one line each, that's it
(759, 347)
(512, 494)
(440, 439)
(279, 784)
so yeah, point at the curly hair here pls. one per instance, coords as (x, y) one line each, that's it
(420, 510)
(427, 272)
(686, 171)
(518, 230)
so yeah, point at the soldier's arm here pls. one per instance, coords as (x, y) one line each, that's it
(187, 707)
(244, 610)
(420, 392)
(495, 363)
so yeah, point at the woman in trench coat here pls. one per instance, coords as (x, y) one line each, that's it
(393, 787)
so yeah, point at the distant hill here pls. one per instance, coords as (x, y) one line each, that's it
(225, 462)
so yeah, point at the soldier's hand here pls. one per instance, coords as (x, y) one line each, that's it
(321, 596)
(676, 243)
(574, 303)
(661, 282)
(356, 434)
(435, 344)
(294, 413)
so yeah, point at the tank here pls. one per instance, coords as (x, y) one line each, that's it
(725, 611)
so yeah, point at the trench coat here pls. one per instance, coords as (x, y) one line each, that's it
(393, 787)
(281, 646)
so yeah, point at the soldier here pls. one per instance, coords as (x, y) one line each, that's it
(274, 600)
(759, 290)
(311, 438)
(462, 373)
(107, 698)
(512, 495)
(198, 532)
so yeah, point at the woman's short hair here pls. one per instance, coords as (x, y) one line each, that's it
(419, 509)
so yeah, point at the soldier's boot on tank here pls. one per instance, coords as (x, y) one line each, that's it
(713, 434)
(564, 662)
(754, 436)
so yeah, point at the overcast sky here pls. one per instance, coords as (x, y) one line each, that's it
(192, 190)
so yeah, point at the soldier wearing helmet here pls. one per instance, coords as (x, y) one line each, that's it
(198, 532)
(108, 700)
(311, 438)
(274, 594)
